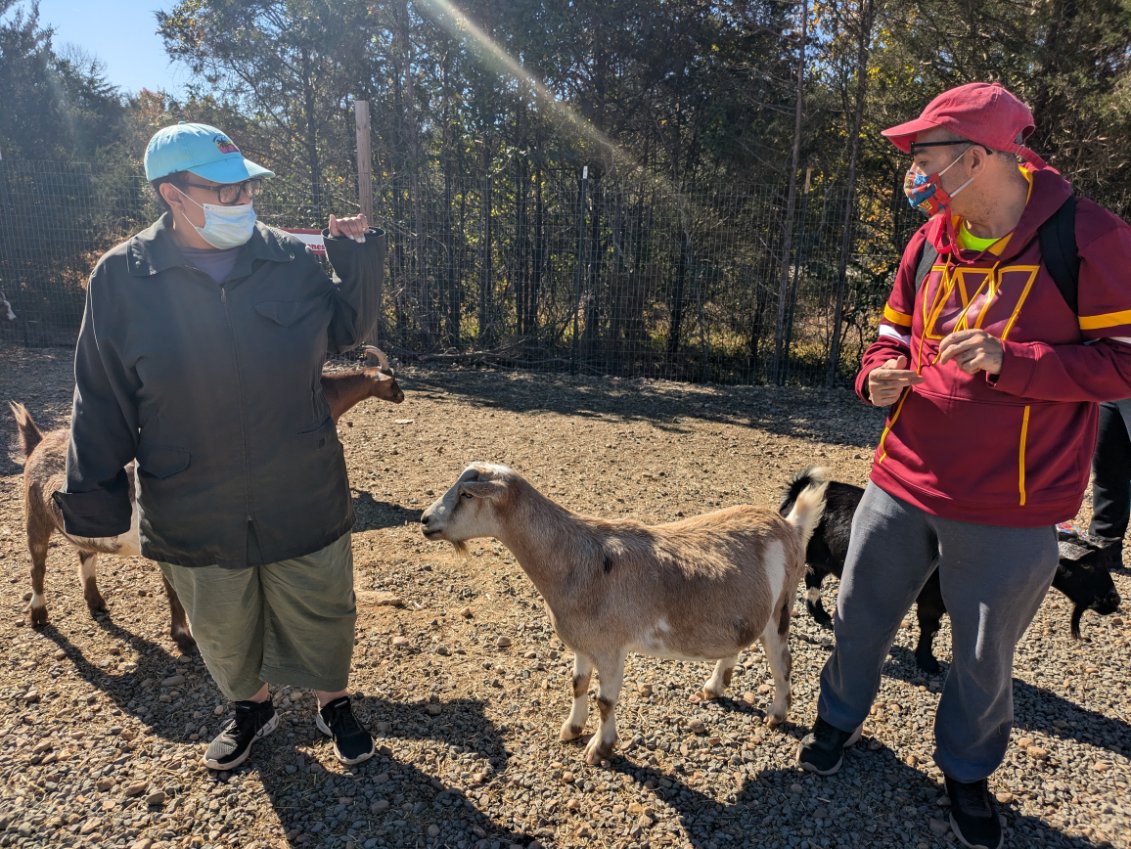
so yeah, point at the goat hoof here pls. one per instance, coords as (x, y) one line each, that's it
(97, 606)
(37, 616)
(570, 732)
(705, 695)
(774, 720)
(184, 642)
(596, 752)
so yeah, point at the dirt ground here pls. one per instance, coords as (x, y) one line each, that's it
(460, 675)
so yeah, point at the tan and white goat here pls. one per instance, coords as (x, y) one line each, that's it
(702, 588)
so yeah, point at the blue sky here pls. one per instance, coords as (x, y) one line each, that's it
(123, 35)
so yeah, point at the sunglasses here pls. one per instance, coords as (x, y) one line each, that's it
(917, 147)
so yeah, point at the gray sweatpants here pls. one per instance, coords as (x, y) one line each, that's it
(993, 581)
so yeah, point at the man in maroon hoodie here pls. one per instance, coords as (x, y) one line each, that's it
(992, 380)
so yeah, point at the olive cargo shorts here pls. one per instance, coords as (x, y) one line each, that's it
(288, 622)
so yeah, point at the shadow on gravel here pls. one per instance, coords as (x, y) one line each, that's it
(1037, 709)
(384, 801)
(874, 802)
(371, 514)
(137, 692)
(788, 411)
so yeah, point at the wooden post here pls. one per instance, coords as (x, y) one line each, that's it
(364, 158)
(365, 193)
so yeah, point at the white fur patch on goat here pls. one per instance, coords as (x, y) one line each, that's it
(653, 640)
(774, 568)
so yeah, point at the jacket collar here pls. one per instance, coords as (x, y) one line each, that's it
(154, 250)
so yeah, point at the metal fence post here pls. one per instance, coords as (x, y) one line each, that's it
(583, 186)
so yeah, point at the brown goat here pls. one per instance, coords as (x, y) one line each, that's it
(702, 588)
(344, 389)
(44, 473)
(45, 457)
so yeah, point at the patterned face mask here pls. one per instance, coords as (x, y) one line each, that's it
(925, 191)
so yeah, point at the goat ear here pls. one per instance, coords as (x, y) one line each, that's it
(482, 489)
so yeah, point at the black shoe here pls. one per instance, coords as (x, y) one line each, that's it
(232, 745)
(1113, 555)
(973, 818)
(822, 749)
(352, 743)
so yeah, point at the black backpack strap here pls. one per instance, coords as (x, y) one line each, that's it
(924, 263)
(1058, 250)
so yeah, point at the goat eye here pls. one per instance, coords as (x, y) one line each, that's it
(465, 495)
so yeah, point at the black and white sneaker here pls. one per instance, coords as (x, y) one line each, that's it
(231, 747)
(822, 749)
(352, 743)
(973, 818)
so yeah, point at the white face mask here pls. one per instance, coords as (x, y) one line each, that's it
(225, 226)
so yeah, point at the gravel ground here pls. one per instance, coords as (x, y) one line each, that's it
(460, 676)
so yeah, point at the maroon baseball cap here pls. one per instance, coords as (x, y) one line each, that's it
(986, 113)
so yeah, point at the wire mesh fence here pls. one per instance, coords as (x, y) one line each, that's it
(532, 269)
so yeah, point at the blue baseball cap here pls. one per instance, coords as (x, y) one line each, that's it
(201, 149)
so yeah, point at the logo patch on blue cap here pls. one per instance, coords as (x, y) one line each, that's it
(225, 145)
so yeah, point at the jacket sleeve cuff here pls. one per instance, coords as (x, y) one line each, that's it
(94, 514)
(1018, 363)
(343, 247)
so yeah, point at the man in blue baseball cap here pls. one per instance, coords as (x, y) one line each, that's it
(200, 357)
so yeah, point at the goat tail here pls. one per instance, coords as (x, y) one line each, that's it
(808, 505)
(30, 434)
(807, 477)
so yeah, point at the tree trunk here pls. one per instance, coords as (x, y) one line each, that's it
(311, 128)
(847, 236)
(781, 351)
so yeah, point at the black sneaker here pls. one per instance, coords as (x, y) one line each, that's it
(973, 818)
(822, 749)
(232, 745)
(352, 743)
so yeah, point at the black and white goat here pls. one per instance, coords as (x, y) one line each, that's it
(1081, 574)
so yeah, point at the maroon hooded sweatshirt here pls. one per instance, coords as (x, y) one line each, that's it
(1013, 449)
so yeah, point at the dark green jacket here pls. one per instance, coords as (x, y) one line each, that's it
(215, 390)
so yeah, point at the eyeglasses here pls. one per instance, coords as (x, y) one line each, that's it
(230, 193)
(917, 147)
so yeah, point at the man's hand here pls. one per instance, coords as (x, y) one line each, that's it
(885, 382)
(353, 227)
(972, 351)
